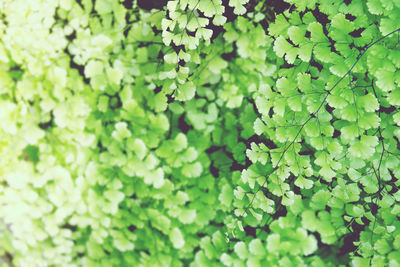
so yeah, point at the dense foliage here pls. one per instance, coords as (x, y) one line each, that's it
(199, 133)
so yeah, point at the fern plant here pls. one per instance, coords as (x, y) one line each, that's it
(199, 133)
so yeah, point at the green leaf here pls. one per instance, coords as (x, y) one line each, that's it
(263, 203)
(368, 102)
(375, 7)
(103, 7)
(281, 46)
(180, 142)
(204, 33)
(396, 118)
(385, 79)
(370, 140)
(312, 128)
(238, 6)
(317, 33)
(114, 75)
(219, 240)
(361, 150)
(33, 153)
(192, 170)
(370, 185)
(327, 173)
(364, 148)
(121, 131)
(336, 101)
(159, 220)
(211, 8)
(256, 248)
(349, 132)
(349, 113)
(301, 182)
(259, 126)
(159, 102)
(323, 53)
(93, 68)
(240, 249)
(369, 120)
(340, 23)
(309, 220)
(360, 262)
(219, 20)
(318, 142)
(172, 5)
(273, 242)
(167, 24)
(339, 67)
(353, 174)
(184, 56)
(176, 238)
(279, 27)
(304, 81)
(320, 199)
(208, 247)
(156, 178)
(305, 51)
(394, 97)
(295, 103)
(291, 55)
(196, 22)
(114, 196)
(185, 91)
(382, 246)
(288, 199)
(280, 106)
(187, 216)
(217, 64)
(297, 34)
(263, 105)
(335, 148)
(309, 245)
(326, 229)
(387, 25)
(226, 259)
(171, 58)
(226, 195)
(257, 153)
(123, 244)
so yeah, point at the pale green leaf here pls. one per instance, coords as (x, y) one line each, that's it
(240, 249)
(176, 238)
(394, 97)
(186, 91)
(187, 216)
(192, 169)
(256, 248)
(219, 20)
